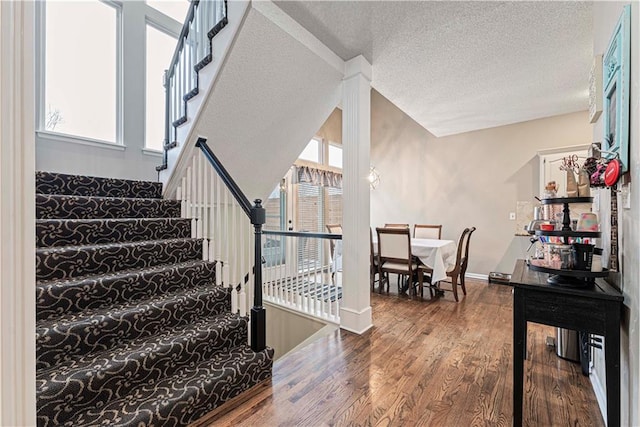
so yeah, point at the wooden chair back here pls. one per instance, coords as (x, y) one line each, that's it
(394, 244)
(460, 252)
(396, 226)
(427, 231)
(333, 229)
(465, 258)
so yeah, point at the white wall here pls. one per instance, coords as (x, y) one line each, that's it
(606, 15)
(128, 161)
(464, 180)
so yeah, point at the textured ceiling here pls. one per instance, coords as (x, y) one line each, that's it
(458, 66)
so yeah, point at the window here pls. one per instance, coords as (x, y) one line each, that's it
(316, 205)
(275, 208)
(81, 77)
(160, 47)
(335, 156)
(311, 151)
(175, 9)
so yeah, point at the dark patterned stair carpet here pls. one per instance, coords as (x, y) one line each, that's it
(79, 185)
(51, 206)
(89, 381)
(66, 262)
(75, 232)
(189, 394)
(131, 328)
(55, 298)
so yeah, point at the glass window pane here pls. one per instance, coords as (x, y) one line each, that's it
(177, 9)
(335, 156)
(311, 151)
(160, 47)
(81, 69)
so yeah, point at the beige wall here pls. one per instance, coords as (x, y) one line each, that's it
(606, 15)
(286, 329)
(470, 179)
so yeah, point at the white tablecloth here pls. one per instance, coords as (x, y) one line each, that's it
(439, 255)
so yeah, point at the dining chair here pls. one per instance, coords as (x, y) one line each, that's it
(427, 231)
(333, 229)
(454, 272)
(394, 255)
(374, 268)
(465, 261)
(396, 226)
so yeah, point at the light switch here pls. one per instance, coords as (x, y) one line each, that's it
(512, 216)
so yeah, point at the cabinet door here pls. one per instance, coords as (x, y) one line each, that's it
(550, 167)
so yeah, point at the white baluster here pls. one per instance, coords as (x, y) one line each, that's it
(225, 225)
(188, 197)
(218, 273)
(212, 236)
(192, 195)
(179, 197)
(200, 207)
(205, 205)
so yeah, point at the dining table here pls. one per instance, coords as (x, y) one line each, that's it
(437, 254)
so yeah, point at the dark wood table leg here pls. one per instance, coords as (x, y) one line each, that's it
(519, 332)
(612, 364)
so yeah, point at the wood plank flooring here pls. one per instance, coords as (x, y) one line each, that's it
(424, 363)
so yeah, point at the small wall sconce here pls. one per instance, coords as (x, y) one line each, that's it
(373, 178)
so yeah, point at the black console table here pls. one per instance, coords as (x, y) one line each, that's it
(595, 310)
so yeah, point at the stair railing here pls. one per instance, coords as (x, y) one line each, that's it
(303, 272)
(205, 19)
(217, 208)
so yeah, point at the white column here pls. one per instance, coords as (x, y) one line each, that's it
(355, 313)
(17, 215)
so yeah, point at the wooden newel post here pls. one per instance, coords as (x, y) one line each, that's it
(258, 315)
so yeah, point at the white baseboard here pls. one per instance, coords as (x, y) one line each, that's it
(477, 276)
(601, 396)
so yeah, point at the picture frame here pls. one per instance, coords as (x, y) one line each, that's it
(616, 65)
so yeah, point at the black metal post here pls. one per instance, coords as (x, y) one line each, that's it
(167, 123)
(258, 315)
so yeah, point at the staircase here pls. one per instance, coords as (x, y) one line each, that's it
(131, 329)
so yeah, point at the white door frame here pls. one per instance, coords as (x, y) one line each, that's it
(17, 215)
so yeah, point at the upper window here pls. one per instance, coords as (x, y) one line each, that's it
(175, 9)
(81, 83)
(160, 47)
(311, 152)
(335, 156)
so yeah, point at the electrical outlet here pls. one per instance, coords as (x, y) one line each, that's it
(625, 195)
(512, 216)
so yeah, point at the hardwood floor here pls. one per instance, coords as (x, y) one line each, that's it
(424, 363)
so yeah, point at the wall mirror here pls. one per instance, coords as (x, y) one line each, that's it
(616, 90)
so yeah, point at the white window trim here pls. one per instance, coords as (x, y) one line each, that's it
(40, 89)
(80, 140)
(152, 152)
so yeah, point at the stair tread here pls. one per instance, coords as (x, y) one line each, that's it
(103, 360)
(88, 315)
(62, 183)
(98, 220)
(121, 273)
(65, 262)
(57, 297)
(57, 249)
(186, 395)
(75, 196)
(61, 206)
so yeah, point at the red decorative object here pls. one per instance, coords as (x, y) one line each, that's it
(612, 173)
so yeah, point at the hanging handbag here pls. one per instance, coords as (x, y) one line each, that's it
(583, 183)
(572, 185)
